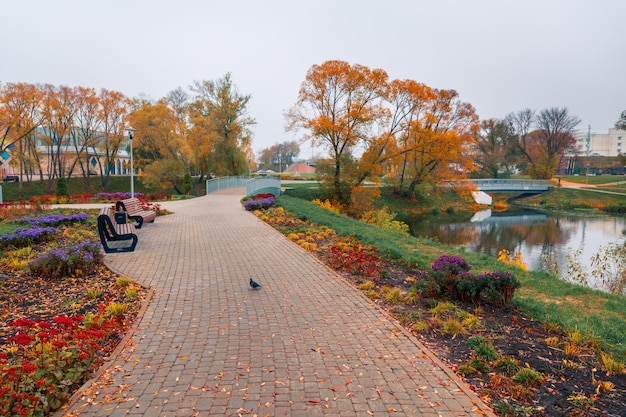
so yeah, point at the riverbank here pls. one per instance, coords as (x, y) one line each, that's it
(547, 315)
(542, 294)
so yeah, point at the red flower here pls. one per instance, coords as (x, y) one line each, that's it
(28, 367)
(22, 339)
(22, 323)
(64, 320)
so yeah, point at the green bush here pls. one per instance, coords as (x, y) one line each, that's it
(187, 185)
(61, 187)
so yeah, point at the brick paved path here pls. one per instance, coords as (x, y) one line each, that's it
(307, 344)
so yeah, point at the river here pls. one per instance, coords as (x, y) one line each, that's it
(545, 241)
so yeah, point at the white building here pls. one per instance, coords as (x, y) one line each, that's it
(602, 144)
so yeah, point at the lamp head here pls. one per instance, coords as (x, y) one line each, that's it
(131, 132)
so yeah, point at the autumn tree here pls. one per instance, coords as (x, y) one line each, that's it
(114, 107)
(277, 156)
(157, 137)
(221, 126)
(495, 153)
(438, 147)
(20, 116)
(20, 112)
(621, 122)
(178, 100)
(165, 175)
(86, 131)
(59, 110)
(404, 103)
(156, 133)
(543, 147)
(338, 105)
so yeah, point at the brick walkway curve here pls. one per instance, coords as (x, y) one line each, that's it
(307, 344)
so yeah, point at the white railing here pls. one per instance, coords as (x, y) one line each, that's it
(222, 183)
(253, 185)
(512, 185)
(265, 184)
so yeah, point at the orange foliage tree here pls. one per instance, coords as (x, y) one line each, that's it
(219, 114)
(113, 115)
(439, 145)
(20, 115)
(403, 129)
(338, 105)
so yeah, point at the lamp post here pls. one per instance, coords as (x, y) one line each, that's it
(131, 133)
(587, 176)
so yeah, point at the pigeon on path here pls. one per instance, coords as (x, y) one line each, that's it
(255, 285)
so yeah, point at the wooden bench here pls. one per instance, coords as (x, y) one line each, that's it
(132, 206)
(111, 231)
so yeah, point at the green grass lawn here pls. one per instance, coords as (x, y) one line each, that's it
(593, 179)
(573, 199)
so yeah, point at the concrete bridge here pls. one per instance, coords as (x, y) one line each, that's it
(494, 185)
(512, 186)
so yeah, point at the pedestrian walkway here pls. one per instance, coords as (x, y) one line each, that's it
(306, 344)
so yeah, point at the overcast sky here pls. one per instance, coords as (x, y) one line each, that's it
(501, 56)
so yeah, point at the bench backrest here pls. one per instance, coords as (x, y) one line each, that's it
(131, 205)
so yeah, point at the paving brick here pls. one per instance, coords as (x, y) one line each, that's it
(306, 344)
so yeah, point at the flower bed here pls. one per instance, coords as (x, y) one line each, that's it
(21, 237)
(259, 201)
(61, 313)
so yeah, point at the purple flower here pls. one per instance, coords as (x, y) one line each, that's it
(20, 235)
(66, 261)
(54, 219)
(259, 203)
(117, 195)
(451, 264)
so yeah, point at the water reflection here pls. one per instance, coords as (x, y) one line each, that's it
(544, 240)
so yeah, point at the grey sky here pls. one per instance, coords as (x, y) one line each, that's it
(500, 56)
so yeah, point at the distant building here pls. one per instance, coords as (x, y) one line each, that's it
(612, 143)
(9, 166)
(301, 167)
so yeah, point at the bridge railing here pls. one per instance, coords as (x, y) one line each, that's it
(512, 184)
(259, 185)
(222, 183)
(252, 185)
